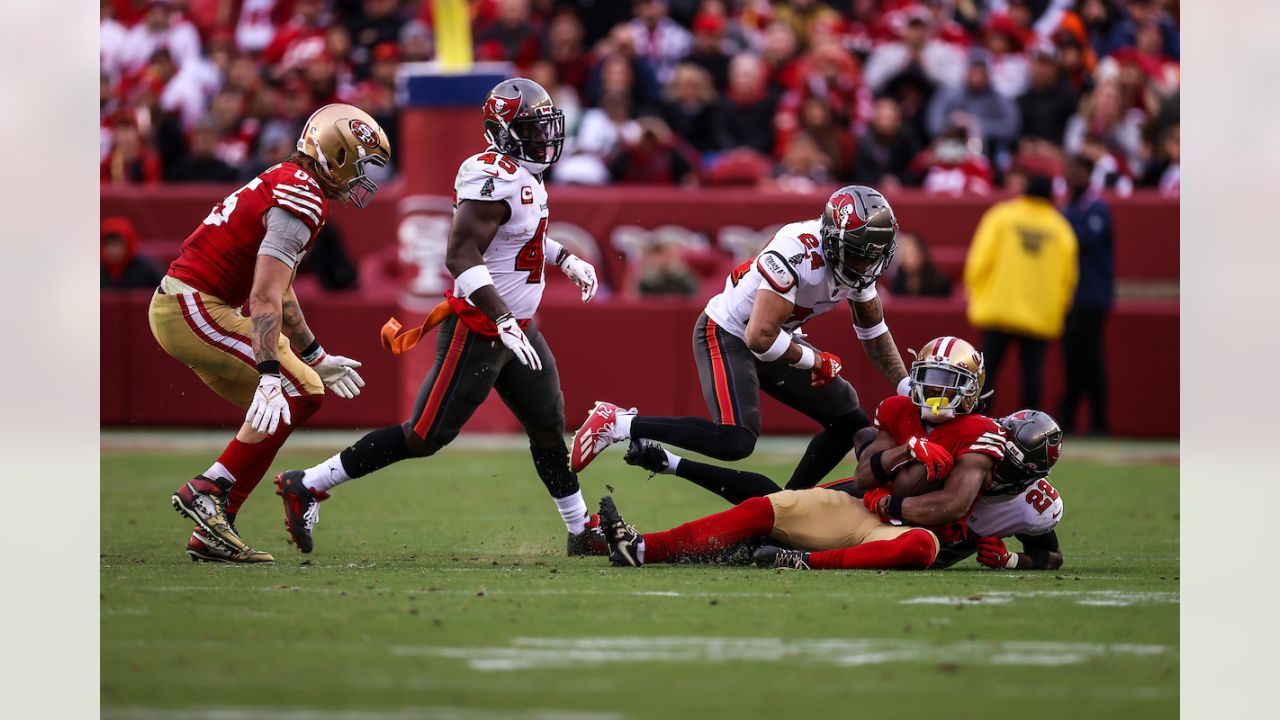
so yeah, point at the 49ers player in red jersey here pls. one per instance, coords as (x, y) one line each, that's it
(248, 249)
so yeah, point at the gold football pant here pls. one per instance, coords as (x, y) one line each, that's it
(822, 519)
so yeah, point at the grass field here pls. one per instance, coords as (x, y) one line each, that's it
(439, 588)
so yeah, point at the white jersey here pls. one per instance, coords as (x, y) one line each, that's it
(791, 265)
(1035, 511)
(515, 258)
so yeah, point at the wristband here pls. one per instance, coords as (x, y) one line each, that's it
(555, 251)
(472, 279)
(503, 318)
(313, 352)
(269, 367)
(777, 349)
(1012, 562)
(893, 508)
(877, 469)
(807, 359)
(874, 331)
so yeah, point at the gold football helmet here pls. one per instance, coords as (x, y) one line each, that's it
(947, 378)
(342, 139)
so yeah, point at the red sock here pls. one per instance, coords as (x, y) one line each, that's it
(250, 462)
(711, 534)
(912, 549)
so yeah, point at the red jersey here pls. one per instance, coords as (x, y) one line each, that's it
(899, 416)
(218, 258)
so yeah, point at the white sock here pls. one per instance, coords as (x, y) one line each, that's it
(672, 461)
(622, 425)
(327, 475)
(574, 511)
(218, 470)
(640, 551)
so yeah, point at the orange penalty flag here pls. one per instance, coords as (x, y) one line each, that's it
(404, 342)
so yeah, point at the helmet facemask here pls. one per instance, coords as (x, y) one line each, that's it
(535, 140)
(854, 264)
(942, 390)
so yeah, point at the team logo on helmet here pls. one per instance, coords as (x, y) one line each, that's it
(500, 108)
(845, 208)
(364, 133)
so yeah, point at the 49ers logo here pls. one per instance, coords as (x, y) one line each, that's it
(364, 133)
(845, 207)
(504, 109)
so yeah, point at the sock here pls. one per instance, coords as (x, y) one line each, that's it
(573, 510)
(622, 425)
(914, 549)
(722, 442)
(673, 462)
(374, 451)
(734, 486)
(711, 534)
(827, 449)
(326, 476)
(218, 470)
(256, 458)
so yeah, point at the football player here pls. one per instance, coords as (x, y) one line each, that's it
(498, 252)
(269, 362)
(747, 340)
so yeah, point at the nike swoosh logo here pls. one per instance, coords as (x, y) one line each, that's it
(1055, 515)
(489, 172)
(624, 548)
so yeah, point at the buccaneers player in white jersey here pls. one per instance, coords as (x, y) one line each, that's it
(748, 340)
(498, 251)
(248, 249)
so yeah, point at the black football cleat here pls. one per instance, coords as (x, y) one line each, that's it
(301, 507)
(202, 501)
(647, 454)
(772, 556)
(624, 541)
(590, 541)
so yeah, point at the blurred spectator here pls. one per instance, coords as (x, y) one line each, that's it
(122, 266)
(886, 149)
(1102, 113)
(588, 152)
(164, 26)
(708, 48)
(779, 52)
(514, 37)
(919, 53)
(916, 274)
(1049, 102)
(804, 166)
(1164, 172)
(202, 164)
(651, 154)
(1110, 172)
(642, 84)
(564, 49)
(816, 120)
(690, 106)
(954, 164)
(306, 28)
(658, 39)
(804, 17)
(1004, 42)
(379, 22)
(746, 112)
(996, 115)
(130, 161)
(1083, 346)
(1019, 278)
(663, 271)
(546, 74)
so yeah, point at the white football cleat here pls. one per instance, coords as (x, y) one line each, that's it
(597, 433)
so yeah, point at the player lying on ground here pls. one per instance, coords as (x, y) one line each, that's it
(248, 249)
(1021, 502)
(498, 246)
(743, 342)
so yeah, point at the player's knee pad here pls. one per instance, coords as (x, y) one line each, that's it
(736, 442)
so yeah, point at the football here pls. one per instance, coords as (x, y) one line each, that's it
(910, 480)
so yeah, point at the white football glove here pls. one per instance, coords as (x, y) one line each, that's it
(269, 406)
(904, 386)
(338, 374)
(583, 274)
(513, 337)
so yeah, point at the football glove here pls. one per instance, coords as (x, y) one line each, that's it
(871, 501)
(338, 373)
(935, 458)
(993, 554)
(514, 338)
(904, 386)
(269, 406)
(826, 368)
(582, 274)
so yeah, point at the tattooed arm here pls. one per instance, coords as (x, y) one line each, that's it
(880, 349)
(271, 282)
(293, 324)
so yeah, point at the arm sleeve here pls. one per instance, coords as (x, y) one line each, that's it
(286, 236)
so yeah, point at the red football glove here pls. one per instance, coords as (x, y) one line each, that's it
(871, 501)
(993, 554)
(826, 367)
(935, 458)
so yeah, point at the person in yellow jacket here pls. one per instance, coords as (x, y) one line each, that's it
(1019, 277)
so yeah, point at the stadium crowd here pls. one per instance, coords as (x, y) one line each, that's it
(955, 96)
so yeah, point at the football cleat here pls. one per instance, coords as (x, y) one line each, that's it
(201, 500)
(301, 507)
(201, 548)
(772, 556)
(647, 454)
(598, 432)
(590, 541)
(624, 542)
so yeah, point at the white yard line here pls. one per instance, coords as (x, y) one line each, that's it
(412, 713)
(1092, 598)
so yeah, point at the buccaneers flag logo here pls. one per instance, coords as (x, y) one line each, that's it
(500, 108)
(845, 208)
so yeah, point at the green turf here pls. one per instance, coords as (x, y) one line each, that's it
(438, 588)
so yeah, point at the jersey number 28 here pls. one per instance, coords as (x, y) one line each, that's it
(532, 256)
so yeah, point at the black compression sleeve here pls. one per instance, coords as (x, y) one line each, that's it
(1038, 548)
